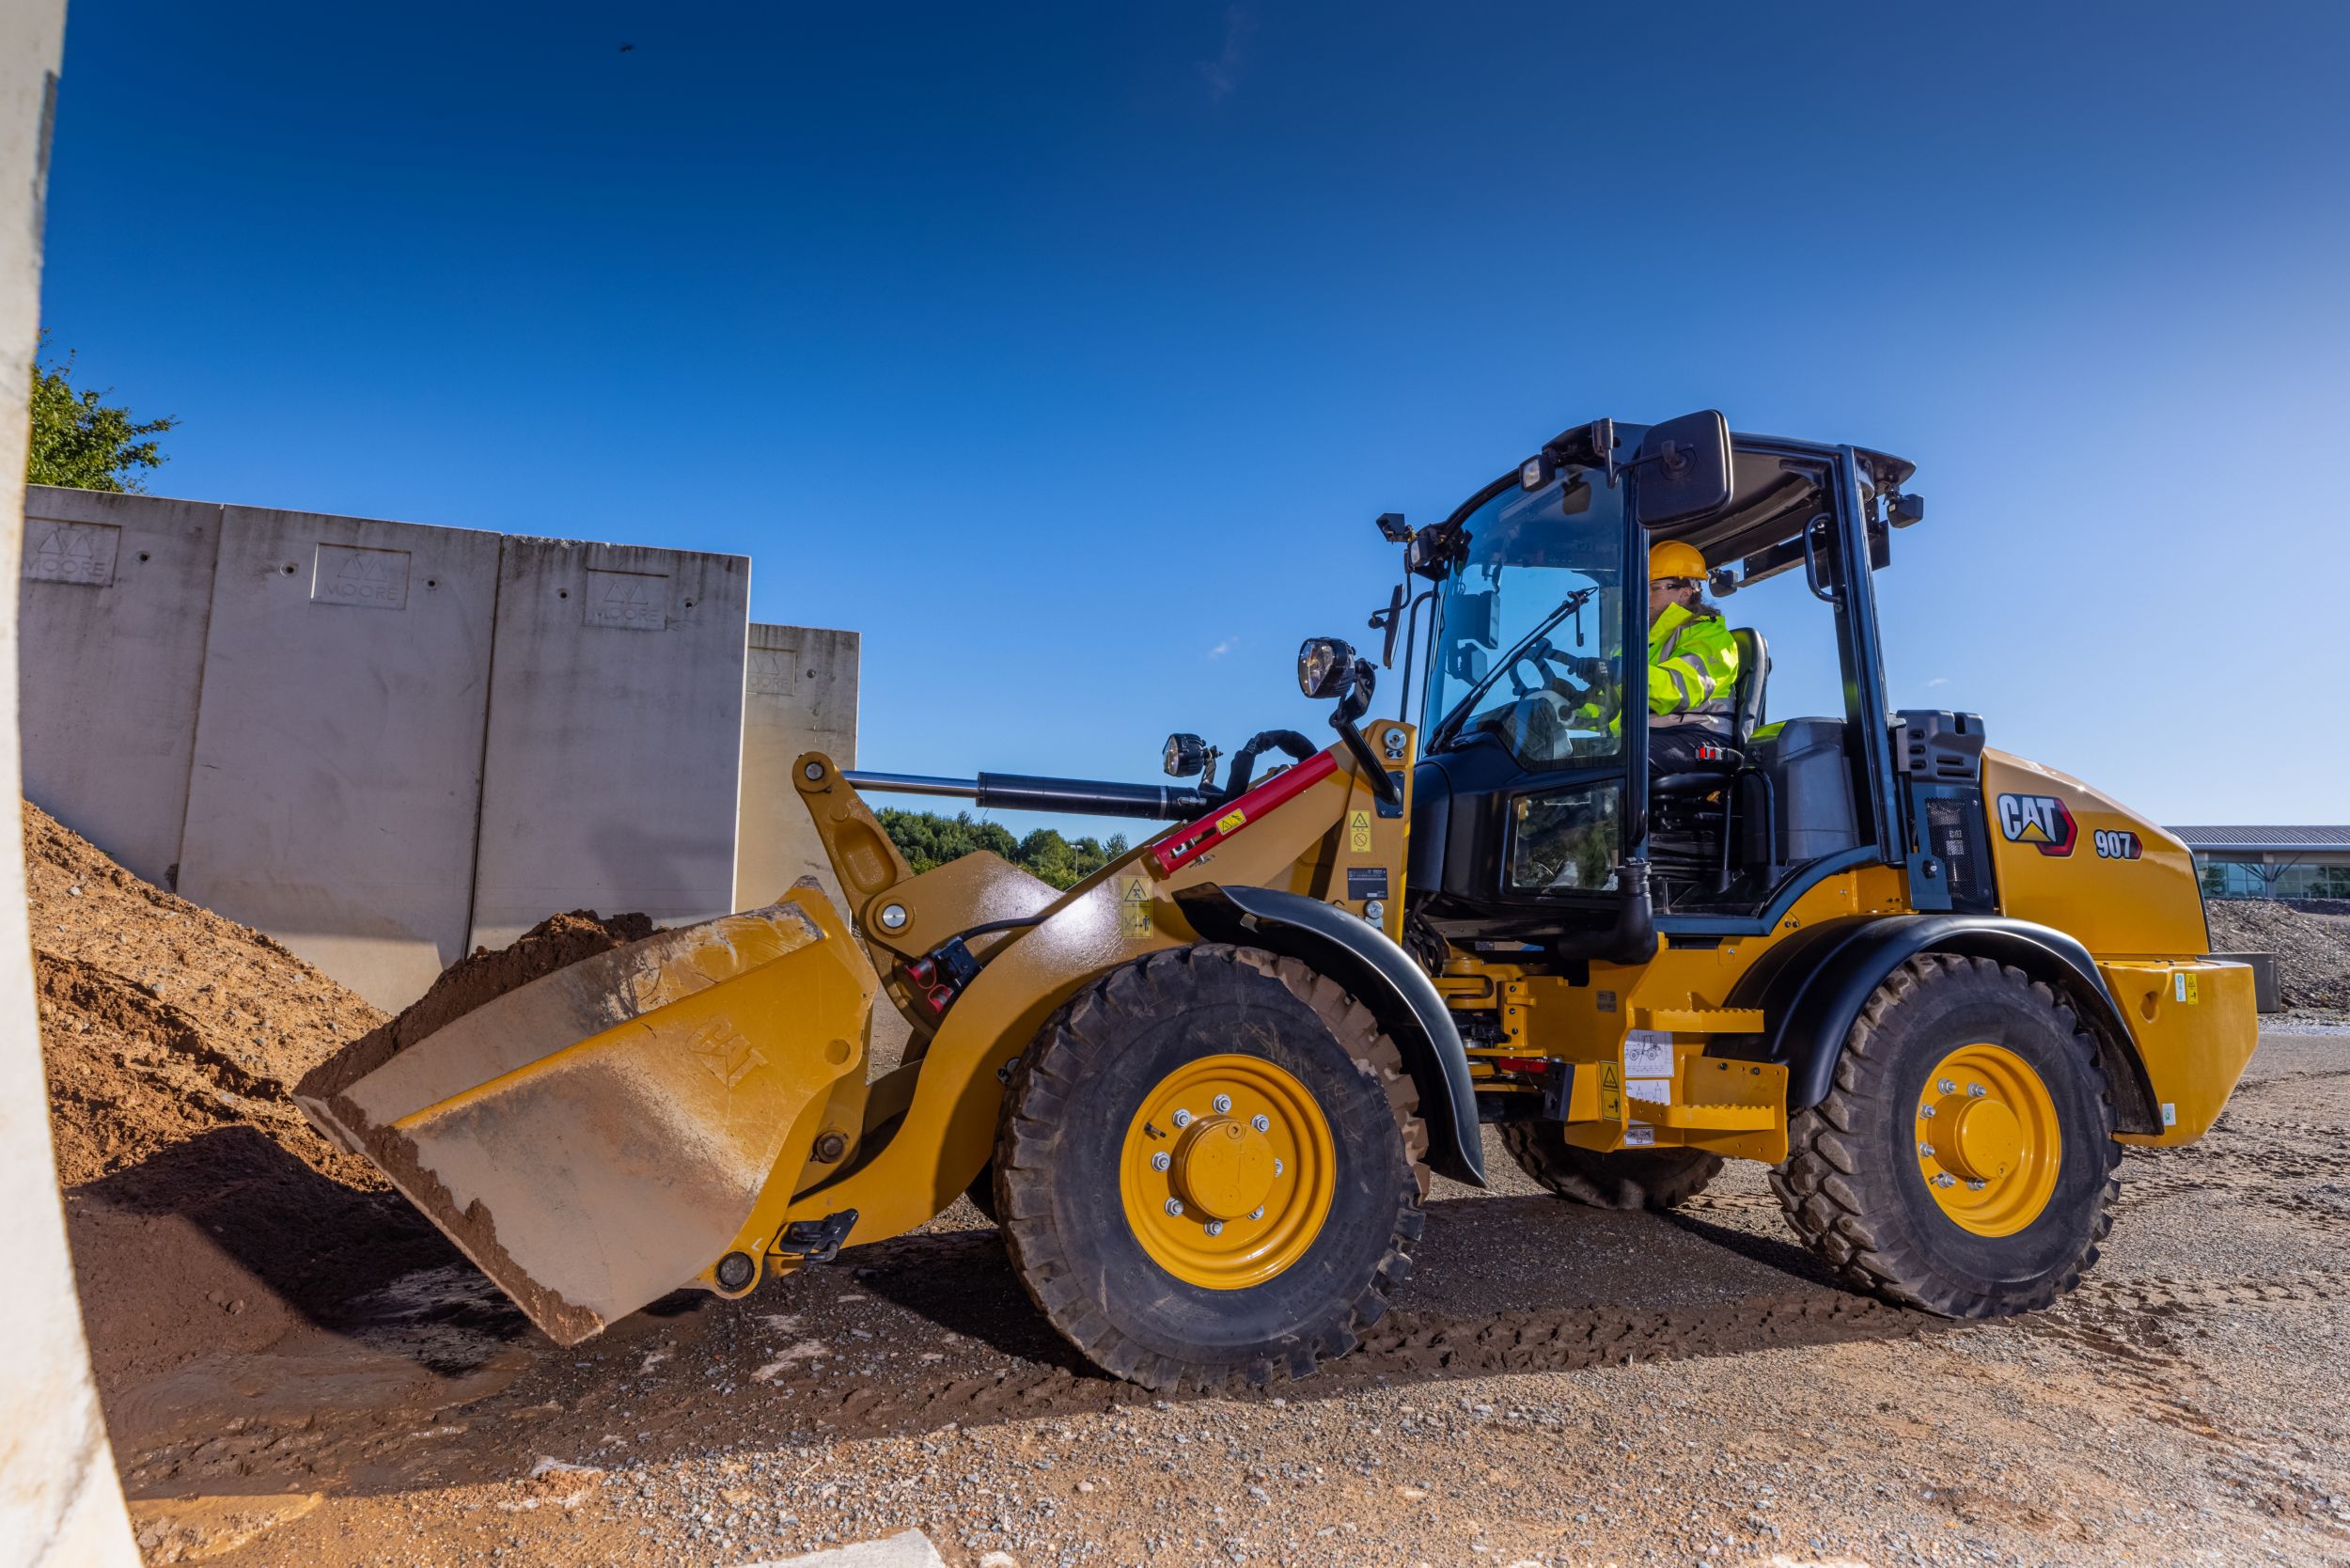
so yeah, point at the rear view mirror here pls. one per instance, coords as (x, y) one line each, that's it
(1469, 617)
(1683, 470)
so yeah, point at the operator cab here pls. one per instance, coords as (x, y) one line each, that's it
(1535, 807)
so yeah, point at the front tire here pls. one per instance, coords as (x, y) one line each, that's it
(1261, 1232)
(1963, 1161)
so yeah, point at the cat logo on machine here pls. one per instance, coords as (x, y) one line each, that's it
(2116, 843)
(2040, 821)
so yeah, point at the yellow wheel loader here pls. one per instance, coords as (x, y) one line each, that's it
(1934, 986)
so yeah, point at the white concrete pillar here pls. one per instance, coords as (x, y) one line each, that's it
(59, 1502)
(799, 694)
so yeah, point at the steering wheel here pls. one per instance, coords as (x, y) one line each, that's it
(1546, 656)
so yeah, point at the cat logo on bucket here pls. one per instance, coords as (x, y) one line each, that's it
(2040, 821)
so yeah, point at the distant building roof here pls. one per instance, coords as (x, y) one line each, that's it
(2306, 839)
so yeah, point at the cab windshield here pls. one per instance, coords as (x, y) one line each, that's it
(1525, 646)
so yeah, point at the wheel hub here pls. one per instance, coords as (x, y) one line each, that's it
(1985, 1140)
(1988, 1139)
(1223, 1167)
(1228, 1171)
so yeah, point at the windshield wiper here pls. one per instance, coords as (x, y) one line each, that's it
(1451, 721)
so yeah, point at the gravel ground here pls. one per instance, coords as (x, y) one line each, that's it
(1557, 1386)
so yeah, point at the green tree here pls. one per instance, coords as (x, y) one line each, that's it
(929, 840)
(79, 439)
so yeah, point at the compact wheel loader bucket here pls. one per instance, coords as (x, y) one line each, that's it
(600, 1136)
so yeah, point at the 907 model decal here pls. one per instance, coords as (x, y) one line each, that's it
(2115, 843)
(2040, 821)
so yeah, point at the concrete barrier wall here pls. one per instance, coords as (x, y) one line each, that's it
(305, 722)
(800, 694)
(115, 596)
(338, 742)
(615, 732)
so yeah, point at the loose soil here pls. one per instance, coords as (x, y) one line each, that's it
(205, 1215)
(297, 1371)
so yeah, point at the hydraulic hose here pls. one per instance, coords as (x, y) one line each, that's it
(1245, 759)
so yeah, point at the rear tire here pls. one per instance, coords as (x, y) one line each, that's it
(1864, 1185)
(1158, 1300)
(1624, 1179)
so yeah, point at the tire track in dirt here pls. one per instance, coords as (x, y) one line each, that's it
(1403, 1347)
(563, 1404)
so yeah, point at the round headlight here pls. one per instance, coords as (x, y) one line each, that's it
(1184, 755)
(1325, 668)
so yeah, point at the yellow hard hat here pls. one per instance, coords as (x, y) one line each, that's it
(1671, 558)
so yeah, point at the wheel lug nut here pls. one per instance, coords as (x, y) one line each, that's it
(1182, 1119)
(1257, 1212)
(1925, 1151)
(1260, 1123)
(1162, 1160)
(1946, 1086)
(1175, 1207)
(1223, 1103)
(1946, 1180)
(1277, 1168)
(1926, 1110)
(1215, 1227)
(1976, 1091)
(1975, 1185)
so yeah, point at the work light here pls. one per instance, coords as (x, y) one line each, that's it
(1325, 668)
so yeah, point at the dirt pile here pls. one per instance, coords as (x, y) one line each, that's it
(205, 1215)
(2312, 950)
(161, 1021)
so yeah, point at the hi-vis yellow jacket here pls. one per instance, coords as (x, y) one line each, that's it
(1692, 665)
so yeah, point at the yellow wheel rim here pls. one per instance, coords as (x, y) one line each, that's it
(1228, 1171)
(1988, 1142)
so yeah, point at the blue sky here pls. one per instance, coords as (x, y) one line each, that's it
(1067, 352)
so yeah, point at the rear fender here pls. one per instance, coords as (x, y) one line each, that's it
(1812, 1003)
(1383, 978)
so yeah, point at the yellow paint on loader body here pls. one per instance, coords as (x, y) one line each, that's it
(615, 1129)
(2125, 889)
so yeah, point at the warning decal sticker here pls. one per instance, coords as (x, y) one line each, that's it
(1134, 908)
(1358, 832)
(1611, 1093)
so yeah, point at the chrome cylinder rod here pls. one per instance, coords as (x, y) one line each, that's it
(910, 784)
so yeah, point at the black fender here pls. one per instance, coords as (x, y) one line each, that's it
(1383, 978)
(1813, 992)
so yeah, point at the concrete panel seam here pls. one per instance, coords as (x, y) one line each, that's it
(481, 770)
(187, 788)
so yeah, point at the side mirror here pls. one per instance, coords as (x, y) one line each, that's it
(1683, 470)
(1186, 755)
(1391, 621)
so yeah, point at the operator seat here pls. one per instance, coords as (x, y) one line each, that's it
(1745, 718)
